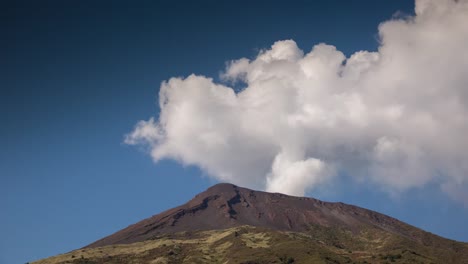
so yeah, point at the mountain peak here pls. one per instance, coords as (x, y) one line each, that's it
(226, 205)
(231, 224)
(220, 188)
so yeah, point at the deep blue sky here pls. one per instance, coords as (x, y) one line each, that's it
(77, 75)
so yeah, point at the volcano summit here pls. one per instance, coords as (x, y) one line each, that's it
(231, 224)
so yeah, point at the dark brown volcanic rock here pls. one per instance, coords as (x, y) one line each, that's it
(226, 205)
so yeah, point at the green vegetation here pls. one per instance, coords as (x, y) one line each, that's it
(250, 245)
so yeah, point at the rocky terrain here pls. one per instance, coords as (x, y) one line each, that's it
(231, 224)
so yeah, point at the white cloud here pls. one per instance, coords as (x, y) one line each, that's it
(398, 116)
(289, 175)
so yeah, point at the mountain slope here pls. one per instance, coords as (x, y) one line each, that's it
(226, 205)
(230, 224)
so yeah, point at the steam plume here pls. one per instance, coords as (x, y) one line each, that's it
(397, 118)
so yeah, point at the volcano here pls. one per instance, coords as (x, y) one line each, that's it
(230, 224)
(226, 205)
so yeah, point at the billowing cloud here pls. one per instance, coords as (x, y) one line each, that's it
(396, 118)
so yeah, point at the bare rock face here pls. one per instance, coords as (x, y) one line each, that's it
(225, 205)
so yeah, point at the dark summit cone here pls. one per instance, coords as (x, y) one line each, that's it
(225, 205)
(230, 224)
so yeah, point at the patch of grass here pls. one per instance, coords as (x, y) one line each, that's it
(247, 244)
(256, 240)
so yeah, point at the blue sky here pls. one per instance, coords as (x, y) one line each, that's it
(76, 76)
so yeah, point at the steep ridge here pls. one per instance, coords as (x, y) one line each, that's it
(225, 205)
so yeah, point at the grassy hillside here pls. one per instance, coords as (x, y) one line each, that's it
(247, 244)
